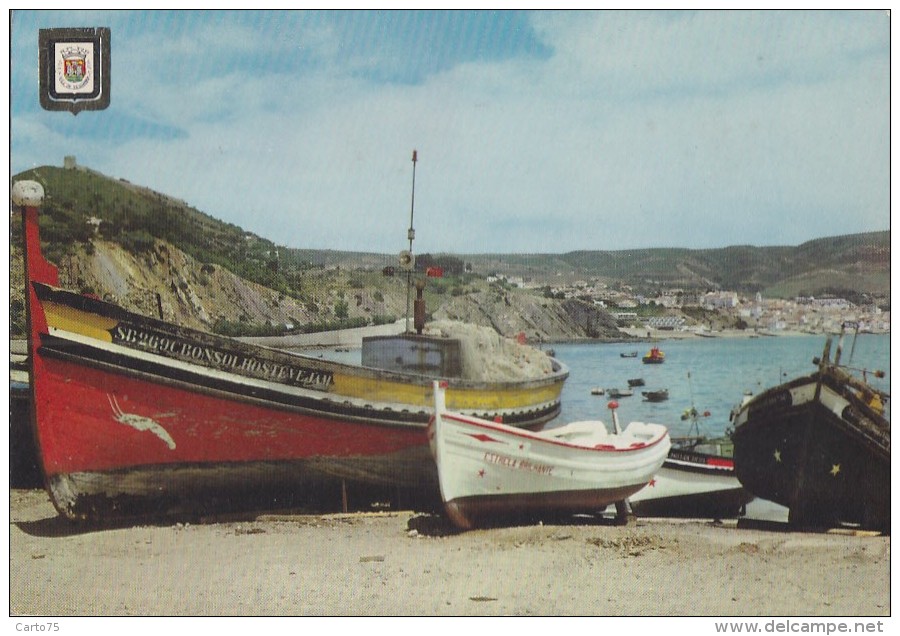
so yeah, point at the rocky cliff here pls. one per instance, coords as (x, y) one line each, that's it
(513, 311)
(166, 281)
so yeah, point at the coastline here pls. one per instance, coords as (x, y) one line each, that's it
(353, 337)
(663, 334)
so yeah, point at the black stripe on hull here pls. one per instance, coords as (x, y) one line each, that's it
(696, 464)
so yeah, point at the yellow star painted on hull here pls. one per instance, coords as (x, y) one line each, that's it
(835, 469)
(777, 455)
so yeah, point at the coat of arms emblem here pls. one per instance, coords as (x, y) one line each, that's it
(74, 69)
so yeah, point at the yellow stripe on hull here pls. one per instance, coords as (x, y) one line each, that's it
(491, 397)
(74, 320)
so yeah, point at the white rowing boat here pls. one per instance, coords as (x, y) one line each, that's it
(488, 469)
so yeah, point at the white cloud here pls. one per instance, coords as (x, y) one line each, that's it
(639, 129)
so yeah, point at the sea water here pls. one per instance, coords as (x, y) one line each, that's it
(711, 375)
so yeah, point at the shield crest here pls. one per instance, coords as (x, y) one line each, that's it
(74, 68)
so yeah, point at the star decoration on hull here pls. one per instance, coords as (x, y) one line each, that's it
(482, 437)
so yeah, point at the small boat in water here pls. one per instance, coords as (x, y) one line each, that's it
(660, 395)
(134, 416)
(598, 391)
(636, 382)
(488, 470)
(630, 354)
(654, 356)
(819, 445)
(619, 393)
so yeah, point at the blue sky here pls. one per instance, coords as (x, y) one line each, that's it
(536, 131)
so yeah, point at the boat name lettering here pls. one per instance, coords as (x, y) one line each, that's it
(223, 360)
(518, 464)
(779, 399)
(686, 456)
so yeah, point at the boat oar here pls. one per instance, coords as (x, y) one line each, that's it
(624, 514)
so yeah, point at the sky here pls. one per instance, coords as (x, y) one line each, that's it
(535, 131)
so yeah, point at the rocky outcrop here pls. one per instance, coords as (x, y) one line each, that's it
(513, 311)
(488, 356)
(166, 282)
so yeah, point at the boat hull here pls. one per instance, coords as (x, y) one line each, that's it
(487, 470)
(655, 396)
(106, 435)
(695, 485)
(472, 511)
(654, 356)
(118, 426)
(814, 446)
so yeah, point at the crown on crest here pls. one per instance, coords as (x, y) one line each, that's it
(74, 51)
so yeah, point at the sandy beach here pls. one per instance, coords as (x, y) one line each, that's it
(413, 563)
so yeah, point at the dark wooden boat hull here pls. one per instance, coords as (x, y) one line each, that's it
(721, 504)
(695, 485)
(814, 446)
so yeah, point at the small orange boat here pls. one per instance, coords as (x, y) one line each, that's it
(654, 356)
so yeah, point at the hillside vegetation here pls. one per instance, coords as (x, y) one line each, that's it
(158, 255)
(858, 262)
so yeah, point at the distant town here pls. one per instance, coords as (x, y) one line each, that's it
(683, 310)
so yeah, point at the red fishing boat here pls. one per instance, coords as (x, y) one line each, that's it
(134, 416)
(654, 356)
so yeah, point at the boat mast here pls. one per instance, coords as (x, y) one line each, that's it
(411, 234)
(694, 430)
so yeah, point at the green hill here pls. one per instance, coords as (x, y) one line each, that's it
(83, 206)
(859, 263)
